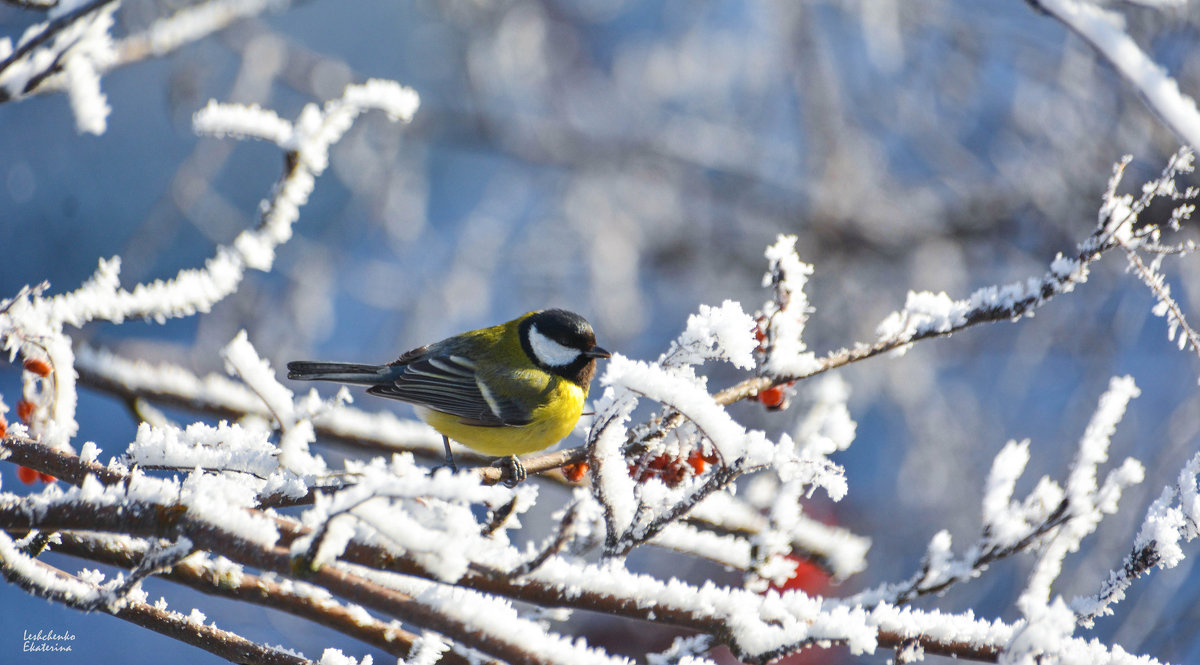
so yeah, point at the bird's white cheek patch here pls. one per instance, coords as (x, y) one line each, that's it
(550, 352)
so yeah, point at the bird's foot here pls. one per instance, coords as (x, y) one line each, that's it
(512, 471)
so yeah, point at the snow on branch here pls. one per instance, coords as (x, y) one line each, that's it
(1172, 518)
(149, 507)
(759, 627)
(51, 57)
(297, 430)
(1104, 30)
(317, 128)
(778, 494)
(307, 140)
(84, 592)
(32, 324)
(927, 315)
(1049, 622)
(130, 502)
(782, 319)
(675, 450)
(216, 575)
(689, 397)
(71, 49)
(400, 507)
(1138, 237)
(1051, 520)
(496, 620)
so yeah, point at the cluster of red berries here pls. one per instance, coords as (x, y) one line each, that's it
(672, 469)
(668, 468)
(25, 410)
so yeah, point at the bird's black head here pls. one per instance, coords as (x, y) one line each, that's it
(563, 343)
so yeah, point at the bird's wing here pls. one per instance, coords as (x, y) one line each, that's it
(448, 383)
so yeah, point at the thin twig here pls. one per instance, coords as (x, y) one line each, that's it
(52, 28)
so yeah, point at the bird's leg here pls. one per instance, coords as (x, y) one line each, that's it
(449, 455)
(512, 471)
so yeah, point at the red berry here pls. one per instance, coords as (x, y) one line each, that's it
(37, 366)
(697, 461)
(27, 475)
(3, 427)
(671, 470)
(47, 478)
(771, 397)
(575, 472)
(24, 410)
(808, 577)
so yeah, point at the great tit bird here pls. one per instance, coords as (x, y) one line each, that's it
(506, 390)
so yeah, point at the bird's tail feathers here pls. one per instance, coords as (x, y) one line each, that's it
(306, 370)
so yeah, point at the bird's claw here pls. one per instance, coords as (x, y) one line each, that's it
(512, 471)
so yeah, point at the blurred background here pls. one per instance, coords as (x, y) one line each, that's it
(631, 160)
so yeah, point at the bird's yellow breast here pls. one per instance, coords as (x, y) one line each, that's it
(561, 404)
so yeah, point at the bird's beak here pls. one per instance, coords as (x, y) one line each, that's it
(597, 352)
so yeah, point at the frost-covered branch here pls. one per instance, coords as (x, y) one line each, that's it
(73, 47)
(32, 324)
(929, 315)
(758, 627)
(1051, 520)
(83, 593)
(1137, 236)
(672, 475)
(218, 576)
(142, 506)
(1173, 518)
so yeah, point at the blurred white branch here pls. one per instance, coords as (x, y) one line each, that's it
(74, 50)
(1104, 29)
(70, 50)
